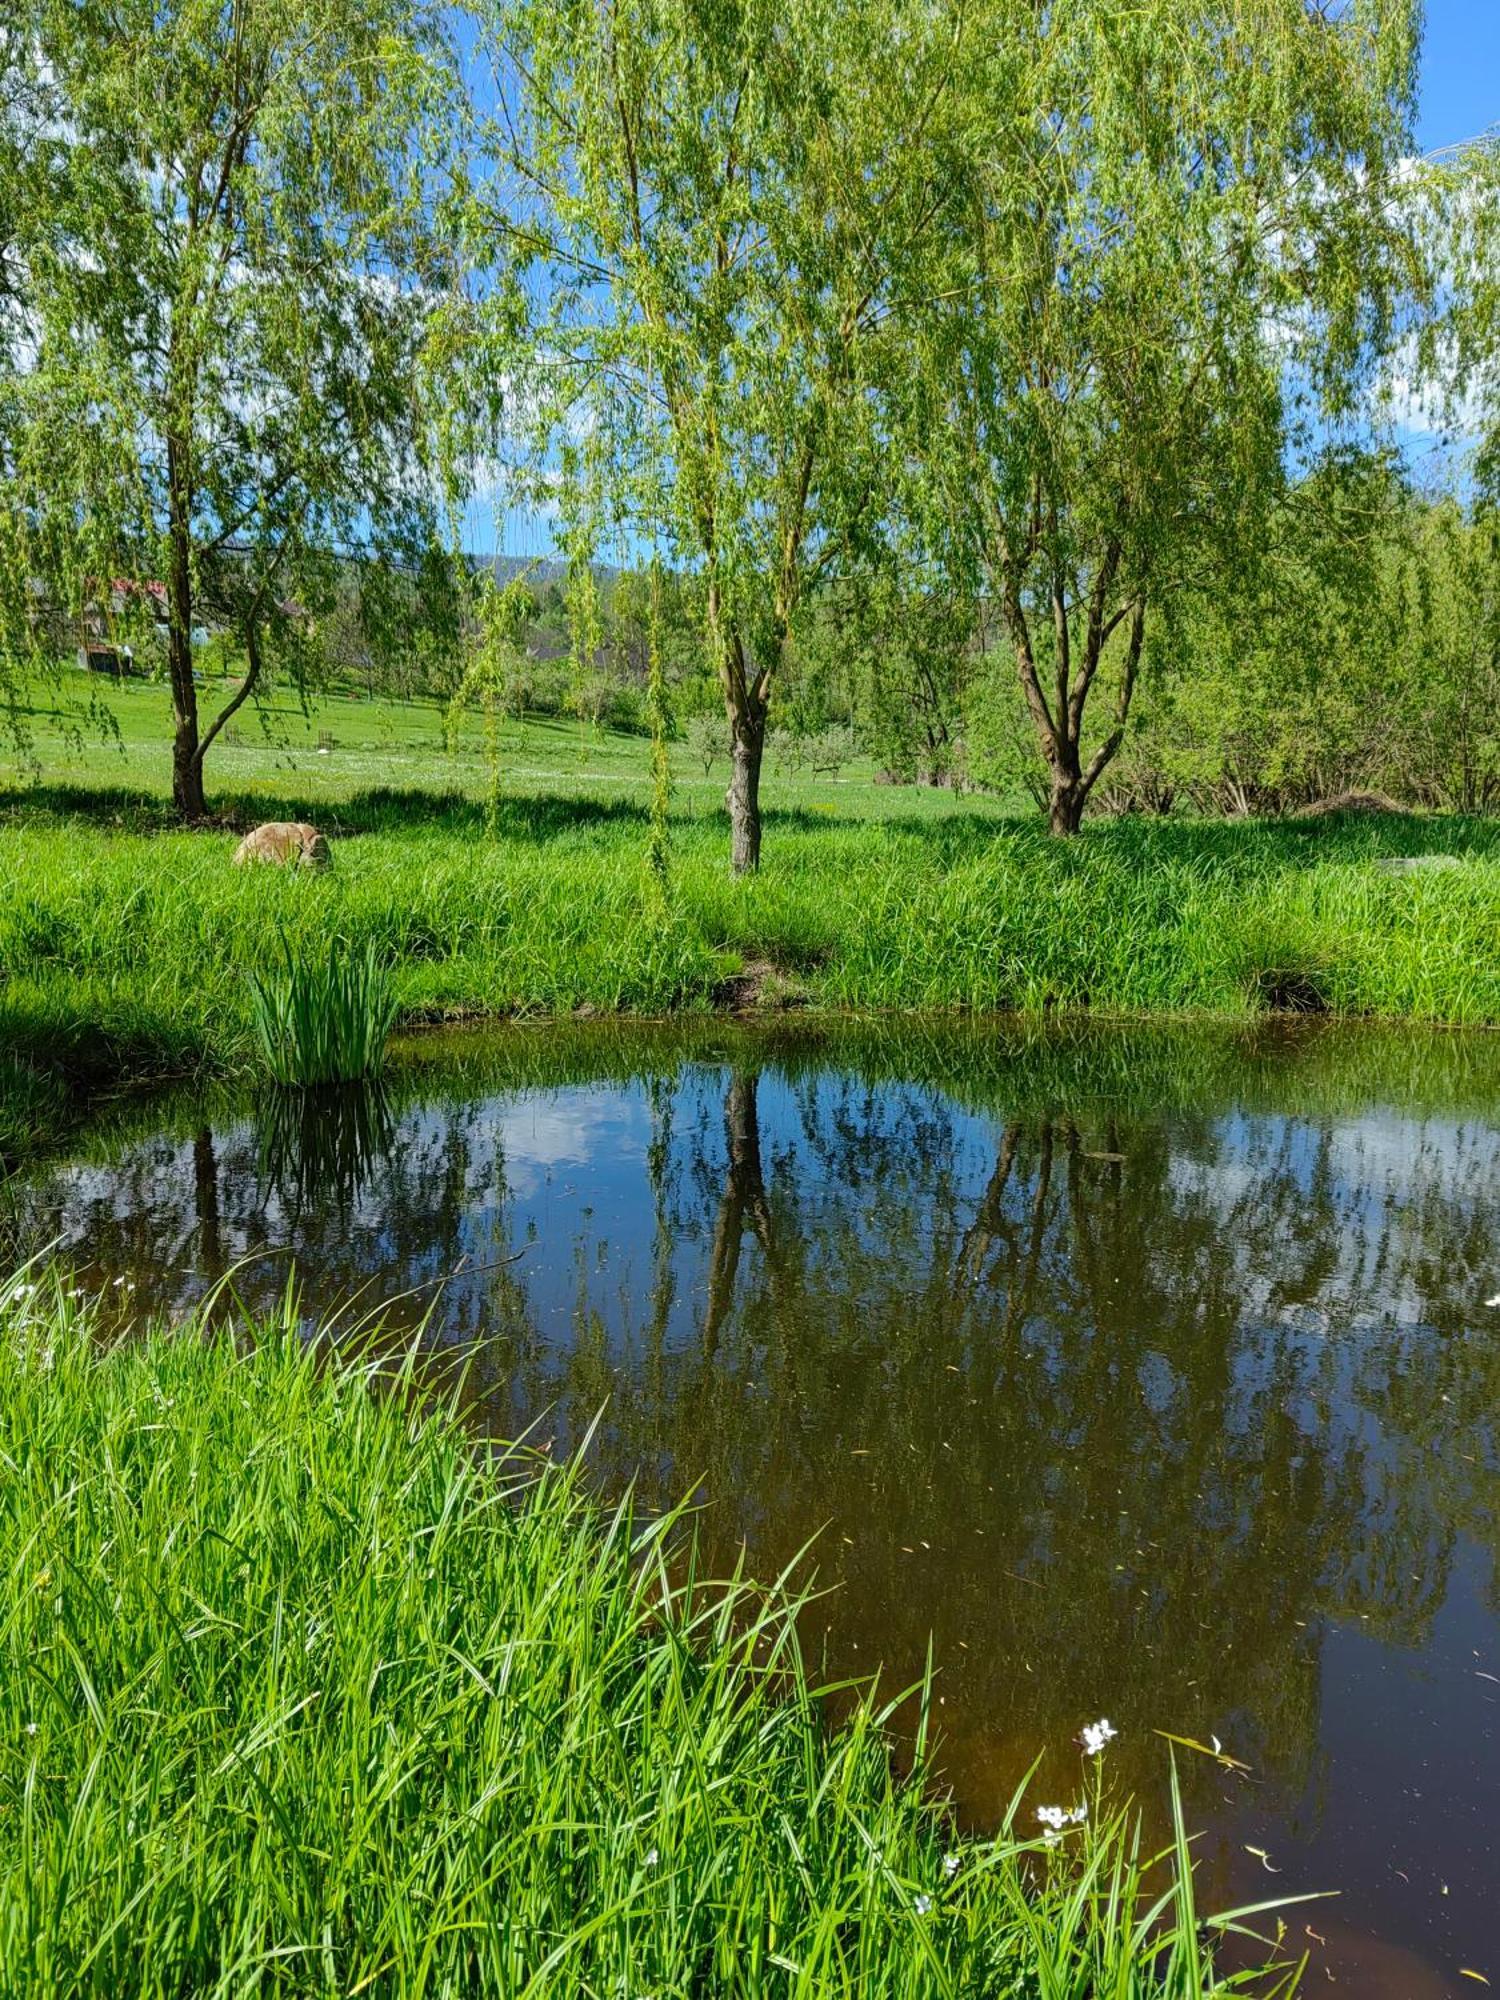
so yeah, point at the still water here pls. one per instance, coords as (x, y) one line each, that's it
(1148, 1375)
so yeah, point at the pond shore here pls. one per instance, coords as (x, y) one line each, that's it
(125, 948)
(303, 1692)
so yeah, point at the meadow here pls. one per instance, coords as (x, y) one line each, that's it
(128, 946)
(300, 1693)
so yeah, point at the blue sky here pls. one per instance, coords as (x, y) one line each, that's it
(1460, 98)
(1460, 72)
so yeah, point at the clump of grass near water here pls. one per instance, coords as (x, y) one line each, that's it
(301, 1693)
(324, 1018)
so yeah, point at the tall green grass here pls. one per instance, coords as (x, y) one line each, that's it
(128, 953)
(300, 1693)
(324, 1018)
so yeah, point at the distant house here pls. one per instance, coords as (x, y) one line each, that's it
(104, 659)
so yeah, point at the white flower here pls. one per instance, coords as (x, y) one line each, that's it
(1095, 1735)
(950, 1864)
(922, 1905)
(652, 1858)
(1051, 1837)
(1055, 1818)
(31, 1729)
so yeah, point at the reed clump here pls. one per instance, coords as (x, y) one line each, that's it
(324, 1018)
(301, 1693)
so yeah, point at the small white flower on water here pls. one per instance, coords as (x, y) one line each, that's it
(950, 1864)
(1095, 1735)
(1052, 1816)
(652, 1858)
(922, 1905)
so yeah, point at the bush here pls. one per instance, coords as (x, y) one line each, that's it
(708, 739)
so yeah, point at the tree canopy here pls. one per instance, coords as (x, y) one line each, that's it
(225, 272)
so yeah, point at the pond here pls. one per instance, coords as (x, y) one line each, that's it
(1149, 1374)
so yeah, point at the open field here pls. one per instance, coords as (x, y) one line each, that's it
(125, 945)
(301, 1694)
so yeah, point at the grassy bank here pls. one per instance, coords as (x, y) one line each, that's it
(125, 949)
(126, 946)
(298, 1694)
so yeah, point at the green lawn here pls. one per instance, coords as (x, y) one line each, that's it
(125, 943)
(98, 733)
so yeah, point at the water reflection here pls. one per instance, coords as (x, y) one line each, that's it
(1135, 1388)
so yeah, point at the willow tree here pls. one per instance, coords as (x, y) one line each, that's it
(1184, 251)
(227, 267)
(710, 217)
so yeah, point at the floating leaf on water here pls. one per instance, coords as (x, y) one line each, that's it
(1220, 1755)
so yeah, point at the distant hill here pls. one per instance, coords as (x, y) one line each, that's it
(543, 569)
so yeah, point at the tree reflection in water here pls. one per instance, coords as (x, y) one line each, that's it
(1135, 1388)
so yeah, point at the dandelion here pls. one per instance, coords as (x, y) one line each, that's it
(950, 1864)
(1095, 1735)
(922, 1904)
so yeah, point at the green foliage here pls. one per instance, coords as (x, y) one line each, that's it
(708, 739)
(1180, 241)
(495, 676)
(1366, 656)
(703, 225)
(227, 278)
(325, 1019)
(302, 1694)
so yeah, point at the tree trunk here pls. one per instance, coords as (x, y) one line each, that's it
(1065, 807)
(187, 767)
(1059, 723)
(744, 1199)
(747, 732)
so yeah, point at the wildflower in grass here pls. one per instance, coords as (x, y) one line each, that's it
(950, 1864)
(1095, 1735)
(1052, 1816)
(31, 1729)
(652, 1858)
(922, 1904)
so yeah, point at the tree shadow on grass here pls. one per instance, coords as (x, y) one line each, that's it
(1130, 842)
(1140, 845)
(380, 809)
